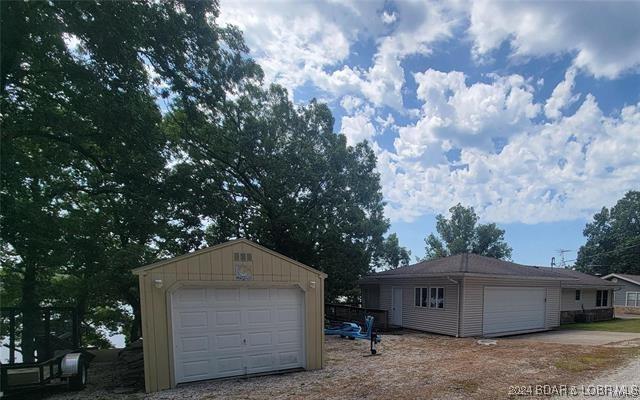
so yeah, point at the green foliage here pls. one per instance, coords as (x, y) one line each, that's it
(613, 239)
(133, 131)
(461, 233)
(277, 174)
(83, 152)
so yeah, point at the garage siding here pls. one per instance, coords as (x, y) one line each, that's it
(443, 321)
(214, 267)
(473, 298)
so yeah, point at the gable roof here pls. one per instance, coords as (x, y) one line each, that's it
(139, 270)
(627, 277)
(466, 264)
(577, 279)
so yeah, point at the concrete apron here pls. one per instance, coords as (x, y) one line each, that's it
(578, 337)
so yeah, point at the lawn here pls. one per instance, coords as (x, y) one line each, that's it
(615, 325)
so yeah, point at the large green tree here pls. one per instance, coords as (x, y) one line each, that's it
(461, 233)
(83, 195)
(613, 239)
(289, 182)
(132, 131)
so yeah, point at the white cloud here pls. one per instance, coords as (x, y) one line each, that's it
(546, 172)
(471, 115)
(562, 95)
(603, 36)
(389, 18)
(514, 164)
(308, 42)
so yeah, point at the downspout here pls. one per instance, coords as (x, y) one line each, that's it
(457, 307)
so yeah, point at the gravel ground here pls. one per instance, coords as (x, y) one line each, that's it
(409, 365)
(625, 376)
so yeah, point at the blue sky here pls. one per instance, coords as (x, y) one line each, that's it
(527, 111)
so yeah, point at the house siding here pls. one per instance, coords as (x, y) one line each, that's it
(587, 300)
(473, 298)
(619, 296)
(443, 321)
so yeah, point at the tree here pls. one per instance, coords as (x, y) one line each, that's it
(276, 173)
(461, 233)
(613, 239)
(83, 197)
(392, 254)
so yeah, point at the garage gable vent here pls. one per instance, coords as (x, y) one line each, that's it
(242, 257)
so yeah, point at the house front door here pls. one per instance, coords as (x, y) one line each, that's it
(396, 306)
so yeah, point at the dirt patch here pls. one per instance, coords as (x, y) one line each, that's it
(413, 365)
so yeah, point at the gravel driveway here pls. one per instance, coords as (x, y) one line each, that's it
(409, 365)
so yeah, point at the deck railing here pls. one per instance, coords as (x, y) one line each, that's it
(347, 313)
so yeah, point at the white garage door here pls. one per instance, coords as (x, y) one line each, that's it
(512, 309)
(236, 331)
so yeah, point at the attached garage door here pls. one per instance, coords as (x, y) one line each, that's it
(513, 309)
(236, 331)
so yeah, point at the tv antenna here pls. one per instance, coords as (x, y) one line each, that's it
(563, 263)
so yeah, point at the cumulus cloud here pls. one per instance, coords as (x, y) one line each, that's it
(517, 156)
(546, 172)
(308, 42)
(603, 36)
(468, 115)
(562, 95)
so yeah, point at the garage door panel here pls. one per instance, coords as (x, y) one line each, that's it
(289, 359)
(513, 309)
(248, 331)
(232, 341)
(191, 320)
(196, 369)
(228, 318)
(288, 314)
(224, 295)
(194, 295)
(259, 294)
(194, 344)
(228, 366)
(257, 339)
(259, 316)
(289, 336)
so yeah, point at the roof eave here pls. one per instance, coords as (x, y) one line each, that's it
(620, 277)
(374, 279)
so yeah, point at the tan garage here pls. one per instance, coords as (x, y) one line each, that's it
(233, 309)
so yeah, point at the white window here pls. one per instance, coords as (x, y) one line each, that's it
(420, 296)
(633, 299)
(436, 299)
(602, 298)
(429, 297)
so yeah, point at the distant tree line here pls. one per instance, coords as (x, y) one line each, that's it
(139, 130)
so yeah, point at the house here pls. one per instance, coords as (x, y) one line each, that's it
(233, 309)
(585, 298)
(472, 295)
(627, 299)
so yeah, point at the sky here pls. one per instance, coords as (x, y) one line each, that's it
(527, 111)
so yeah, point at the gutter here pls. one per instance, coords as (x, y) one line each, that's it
(458, 305)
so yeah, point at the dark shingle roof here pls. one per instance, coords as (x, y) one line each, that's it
(466, 264)
(576, 278)
(629, 277)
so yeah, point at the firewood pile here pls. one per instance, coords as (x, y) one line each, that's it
(131, 366)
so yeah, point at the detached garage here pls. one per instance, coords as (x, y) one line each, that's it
(234, 309)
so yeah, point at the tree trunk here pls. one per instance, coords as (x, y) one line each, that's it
(30, 313)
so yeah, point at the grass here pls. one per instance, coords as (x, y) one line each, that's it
(615, 325)
(600, 359)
